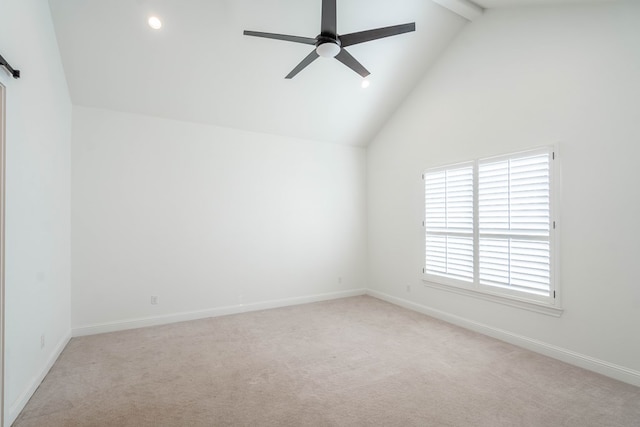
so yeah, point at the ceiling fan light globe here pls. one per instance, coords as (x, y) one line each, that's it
(328, 50)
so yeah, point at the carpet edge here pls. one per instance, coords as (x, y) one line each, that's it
(16, 408)
(611, 370)
(123, 325)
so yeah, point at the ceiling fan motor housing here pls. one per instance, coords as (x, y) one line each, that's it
(327, 47)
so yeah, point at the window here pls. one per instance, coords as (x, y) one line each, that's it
(489, 226)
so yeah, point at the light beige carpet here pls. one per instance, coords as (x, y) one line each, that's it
(351, 362)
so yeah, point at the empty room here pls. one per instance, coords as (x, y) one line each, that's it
(320, 213)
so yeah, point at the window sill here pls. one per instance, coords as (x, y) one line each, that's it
(510, 301)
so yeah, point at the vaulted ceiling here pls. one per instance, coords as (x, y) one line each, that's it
(199, 67)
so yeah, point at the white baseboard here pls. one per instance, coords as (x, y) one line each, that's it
(611, 370)
(19, 404)
(213, 312)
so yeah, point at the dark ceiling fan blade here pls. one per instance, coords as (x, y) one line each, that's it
(329, 18)
(378, 33)
(306, 61)
(295, 39)
(351, 62)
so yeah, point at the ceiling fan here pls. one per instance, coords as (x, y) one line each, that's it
(331, 45)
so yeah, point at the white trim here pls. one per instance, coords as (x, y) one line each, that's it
(464, 8)
(510, 300)
(449, 167)
(212, 312)
(3, 145)
(556, 197)
(19, 404)
(611, 370)
(541, 150)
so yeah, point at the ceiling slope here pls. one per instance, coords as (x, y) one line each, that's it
(200, 68)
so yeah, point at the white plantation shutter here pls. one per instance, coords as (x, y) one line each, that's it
(488, 225)
(449, 222)
(514, 223)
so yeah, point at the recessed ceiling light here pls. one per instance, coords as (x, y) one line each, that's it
(365, 84)
(155, 22)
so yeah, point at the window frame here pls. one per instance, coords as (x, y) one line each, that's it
(551, 304)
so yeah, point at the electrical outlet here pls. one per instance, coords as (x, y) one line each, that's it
(409, 289)
(154, 300)
(340, 279)
(41, 341)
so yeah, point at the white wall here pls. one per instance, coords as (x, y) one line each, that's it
(37, 196)
(206, 218)
(516, 79)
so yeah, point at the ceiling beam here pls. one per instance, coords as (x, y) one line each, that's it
(465, 8)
